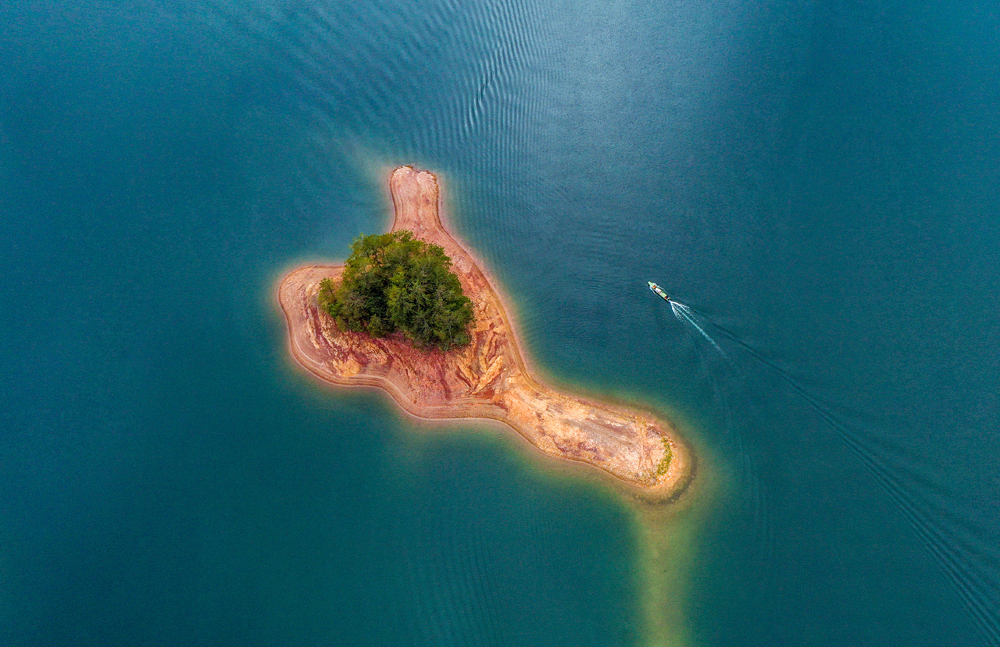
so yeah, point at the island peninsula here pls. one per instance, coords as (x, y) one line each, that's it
(487, 378)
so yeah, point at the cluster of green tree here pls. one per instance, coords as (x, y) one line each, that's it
(393, 282)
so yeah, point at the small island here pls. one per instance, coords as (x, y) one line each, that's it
(484, 376)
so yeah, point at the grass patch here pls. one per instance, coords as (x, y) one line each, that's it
(668, 455)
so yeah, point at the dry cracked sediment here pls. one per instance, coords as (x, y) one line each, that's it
(487, 378)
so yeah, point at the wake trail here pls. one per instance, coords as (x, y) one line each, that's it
(685, 314)
(745, 447)
(974, 594)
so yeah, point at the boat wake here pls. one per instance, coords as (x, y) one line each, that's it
(684, 314)
(954, 556)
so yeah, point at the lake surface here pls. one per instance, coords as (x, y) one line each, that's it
(816, 181)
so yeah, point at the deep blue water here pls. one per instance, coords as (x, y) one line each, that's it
(816, 180)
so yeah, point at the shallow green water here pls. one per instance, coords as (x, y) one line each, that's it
(816, 180)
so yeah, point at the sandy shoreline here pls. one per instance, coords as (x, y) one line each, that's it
(486, 379)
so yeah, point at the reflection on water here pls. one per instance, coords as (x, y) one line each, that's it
(804, 175)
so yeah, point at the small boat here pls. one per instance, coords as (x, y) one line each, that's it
(658, 290)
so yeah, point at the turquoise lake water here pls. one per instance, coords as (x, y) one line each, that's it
(817, 181)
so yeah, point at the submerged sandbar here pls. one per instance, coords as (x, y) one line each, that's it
(487, 378)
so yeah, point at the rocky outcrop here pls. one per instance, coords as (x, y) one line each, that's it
(485, 379)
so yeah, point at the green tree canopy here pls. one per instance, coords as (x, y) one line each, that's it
(393, 282)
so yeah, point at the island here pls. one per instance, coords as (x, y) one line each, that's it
(487, 377)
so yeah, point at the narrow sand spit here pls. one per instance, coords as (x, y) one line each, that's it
(486, 379)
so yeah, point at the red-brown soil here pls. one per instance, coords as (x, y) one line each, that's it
(485, 379)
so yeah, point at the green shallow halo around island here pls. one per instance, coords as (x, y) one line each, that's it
(486, 378)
